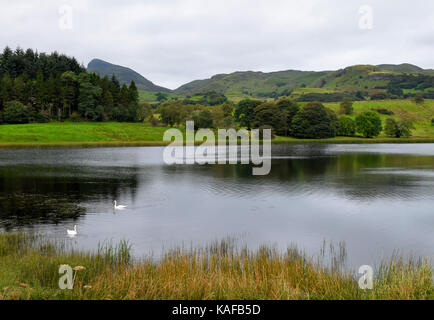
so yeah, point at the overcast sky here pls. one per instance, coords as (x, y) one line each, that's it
(172, 42)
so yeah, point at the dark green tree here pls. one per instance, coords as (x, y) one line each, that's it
(398, 129)
(170, 112)
(69, 92)
(88, 97)
(15, 113)
(269, 114)
(288, 109)
(245, 112)
(202, 119)
(347, 127)
(133, 93)
(161, 96)
(6, 90)
(369, 124)
(346, 107)
(144, 111)
(314, 121)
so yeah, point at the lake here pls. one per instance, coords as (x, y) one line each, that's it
(375, 198)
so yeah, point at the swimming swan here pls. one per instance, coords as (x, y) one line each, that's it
(118, 207)
(72, 232)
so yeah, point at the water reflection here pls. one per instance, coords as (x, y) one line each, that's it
(375, 198)
(46, 194)
(360, 177)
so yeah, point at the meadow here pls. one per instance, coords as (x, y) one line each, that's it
(151, 97)
(135, 134)
(77, 133)
(29, 269)
(420, 114)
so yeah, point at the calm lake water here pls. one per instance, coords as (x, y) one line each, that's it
(375, 198)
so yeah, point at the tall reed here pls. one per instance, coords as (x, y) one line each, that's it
(29, 266)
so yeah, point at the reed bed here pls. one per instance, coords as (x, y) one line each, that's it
(29, 269)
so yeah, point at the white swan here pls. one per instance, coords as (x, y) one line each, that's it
(72, 232)
(118, 207)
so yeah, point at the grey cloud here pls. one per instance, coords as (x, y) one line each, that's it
(173, 42)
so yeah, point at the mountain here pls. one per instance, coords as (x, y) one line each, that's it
(369, 79)
(259, 84)
(253, 83)
(124, 75)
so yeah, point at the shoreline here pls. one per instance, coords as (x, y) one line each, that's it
(288, 141)
(219, 270)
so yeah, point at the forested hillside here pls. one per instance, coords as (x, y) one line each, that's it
(39, 87)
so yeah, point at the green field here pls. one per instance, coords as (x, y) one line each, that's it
(79, 132)
(115, 133)
(151, 97)
(420, 114)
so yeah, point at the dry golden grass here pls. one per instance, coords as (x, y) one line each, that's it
(29, 270)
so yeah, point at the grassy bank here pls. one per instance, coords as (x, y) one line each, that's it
(29, 270)
(80, 132)
(114, 134)
(107, 134)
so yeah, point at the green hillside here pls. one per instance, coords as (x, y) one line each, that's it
(359, 82)
(254, 83)
(123, 74)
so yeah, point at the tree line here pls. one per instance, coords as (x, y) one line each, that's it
(285, 118)
(37, 87)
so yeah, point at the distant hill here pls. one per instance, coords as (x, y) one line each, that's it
(332, 85)
(124, 75)
(259, 84)
(253, 83)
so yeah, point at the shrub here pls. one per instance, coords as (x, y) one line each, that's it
(15, 113)
(42, 117)
(432, 121)
(391, 127)
(368, 124)
(143, 111)
(419, 98)
(323, 97)
(346, 107)
(385, 112)
(379, 96)
(154, 121)
(314, 121)
(75, 117)
(398, 129)
(347, 127)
